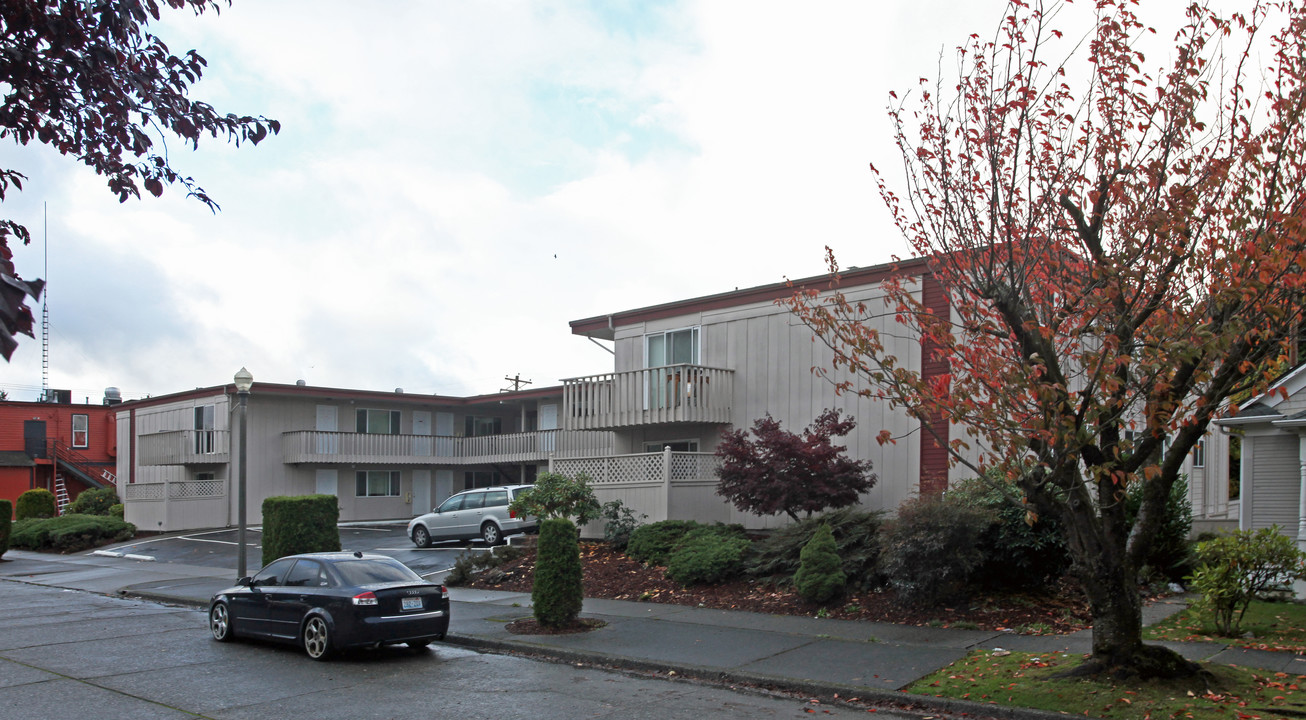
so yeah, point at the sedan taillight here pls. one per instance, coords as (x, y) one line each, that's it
(367, 598)
(444, 591)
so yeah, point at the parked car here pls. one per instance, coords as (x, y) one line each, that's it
(481, 513)
(328, 601)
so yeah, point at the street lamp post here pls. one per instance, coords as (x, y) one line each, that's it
(244, 381)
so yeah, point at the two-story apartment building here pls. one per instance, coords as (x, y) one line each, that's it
(59, 446)
(645, 433)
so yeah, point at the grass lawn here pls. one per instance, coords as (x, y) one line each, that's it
(1273, 625)
(1023, 680)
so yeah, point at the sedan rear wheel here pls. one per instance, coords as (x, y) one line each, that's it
(421, 536)
(490, 533)
(317, 638)
(220, 622)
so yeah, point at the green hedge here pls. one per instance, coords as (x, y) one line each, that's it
(95, 501)
(6, 524)
(558, 591)
(299, 524)
(69, 533)
(36, 504)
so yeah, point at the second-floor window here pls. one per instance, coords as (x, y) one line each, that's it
(377, 422)
(477, 426)
(81, 431)
(204, 421)
(1199, 453)
(674, 347)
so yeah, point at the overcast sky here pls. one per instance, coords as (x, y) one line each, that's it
(455, 181)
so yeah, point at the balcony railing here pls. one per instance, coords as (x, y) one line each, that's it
(313, 446)
(667, 394)
(183, 447)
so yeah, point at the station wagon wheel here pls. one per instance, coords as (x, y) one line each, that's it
(317, 638)
(220, 622)
(490, 533)
(421, 536)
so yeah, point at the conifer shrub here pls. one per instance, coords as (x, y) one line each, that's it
(776, 558)
(557, 592)
(69, 533)
(708, 554)
(652, 544)
(300, 524)
(820, 577)
(931, 550)
(95, 501)
(119, 511)
(6, 524)
(36, 504)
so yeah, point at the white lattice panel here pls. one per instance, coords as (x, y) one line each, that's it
(693, 466)
(620, 469)
(197, 489)
(143, 491)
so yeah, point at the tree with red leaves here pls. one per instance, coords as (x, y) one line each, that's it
(1120, 260)
(88, 79)
(781, 472)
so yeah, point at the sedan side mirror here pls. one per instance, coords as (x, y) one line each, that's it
(247, 581)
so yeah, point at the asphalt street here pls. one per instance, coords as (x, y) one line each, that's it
(74, 654)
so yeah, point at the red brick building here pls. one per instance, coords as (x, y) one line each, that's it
(60, 447)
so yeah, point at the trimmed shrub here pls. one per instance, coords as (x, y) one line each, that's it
(557, 592)
(1016, 554)
(931, 550)
(69, 533)
(1170, 553)
(1232, 570)
(95, 501)
(619, 522)
(820, 577)
(708, 554)
(6, 524)
(36, 504)
(856, 533)
(652, 544)
(299, 524)
(119, 511)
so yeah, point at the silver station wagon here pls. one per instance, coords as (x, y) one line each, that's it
(480, 513)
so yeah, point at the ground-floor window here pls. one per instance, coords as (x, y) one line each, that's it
(675, 445)
(377, 483)
(482, 478)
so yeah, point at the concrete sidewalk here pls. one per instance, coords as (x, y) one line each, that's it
(821, 657)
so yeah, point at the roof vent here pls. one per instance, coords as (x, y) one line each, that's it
(300, 383)
(399, 391)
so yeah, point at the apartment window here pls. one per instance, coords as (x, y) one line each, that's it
(676, 446)
(481, 478)
(81, 431)
(477, 426)
(675, 347)
(377, 422)
(376, 483)
(204, 429)
(1199, 453)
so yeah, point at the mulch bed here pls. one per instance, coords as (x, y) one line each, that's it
(612, 575)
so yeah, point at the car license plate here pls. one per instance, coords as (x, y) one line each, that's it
(411, 603)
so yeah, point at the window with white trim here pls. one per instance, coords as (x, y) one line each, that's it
(1199, 453)
(376, 422)
(376, 483)
(205, 437)
(81, 431)
(674, 347)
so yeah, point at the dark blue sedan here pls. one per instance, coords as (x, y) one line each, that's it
(328, 601)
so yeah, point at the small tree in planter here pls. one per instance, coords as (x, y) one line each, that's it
(557, 593)
(558, 496)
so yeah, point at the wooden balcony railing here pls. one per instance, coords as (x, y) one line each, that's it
(667, 394)
(313, 446)
(183, 447)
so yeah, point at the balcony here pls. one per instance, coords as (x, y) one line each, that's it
(652, 396)
(313, 446)
(184, 447)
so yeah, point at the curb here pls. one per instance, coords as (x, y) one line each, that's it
(753, 682)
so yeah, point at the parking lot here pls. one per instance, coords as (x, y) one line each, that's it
(218, 548)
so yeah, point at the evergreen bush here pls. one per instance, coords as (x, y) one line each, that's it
(119, 511)
(1017, 555)
(707, 555)
(1232, 570)
(95, 501)
(69, 533)
(856, 533)
(36, 504)
(300, 524)
(652, 544)
(931, 550)
(820, 577)
(1170, 552)
(557, 496)
(470, 563)
(557, 592)
(6, 524)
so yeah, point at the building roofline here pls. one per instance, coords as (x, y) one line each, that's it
(602, 326)
(312, 391)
